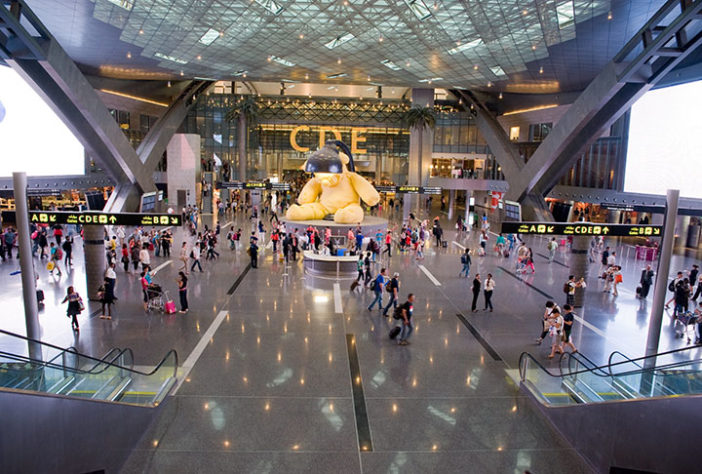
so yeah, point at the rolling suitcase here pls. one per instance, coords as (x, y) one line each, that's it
(394, 332)
(354, 285)
(444, 243)
(40, 296)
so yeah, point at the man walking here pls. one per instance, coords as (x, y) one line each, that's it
(487, 292)
(569, 289)
(407, 310)
(377, 287)
(465, 261)
(393, 288)
(476, 292)
(552, 247)
(646, 281)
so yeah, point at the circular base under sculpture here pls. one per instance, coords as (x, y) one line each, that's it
(338, 267)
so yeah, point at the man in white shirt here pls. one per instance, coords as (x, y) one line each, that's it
(612, 259)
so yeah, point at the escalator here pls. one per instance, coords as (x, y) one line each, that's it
(628, 415)
(64, 398)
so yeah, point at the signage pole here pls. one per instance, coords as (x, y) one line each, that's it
(29, 288)
(661, 285)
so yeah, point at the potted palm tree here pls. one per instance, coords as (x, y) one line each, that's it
(245, 110)
(420, 118)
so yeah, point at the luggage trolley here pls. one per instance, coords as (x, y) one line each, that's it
(156, 298)
(682, 323)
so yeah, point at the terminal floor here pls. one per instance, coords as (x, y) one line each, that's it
(272, 390)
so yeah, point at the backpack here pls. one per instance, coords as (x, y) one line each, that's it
(376, 284)
(397, 314)
(566, 288)
(464, 260)
(671, 286)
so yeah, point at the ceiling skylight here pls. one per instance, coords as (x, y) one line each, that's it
(241, 72)
(282, 61)
(126, 4)
(432, 79)
(339, 40)
(566, 14)
(463, 47)
(390, 64)
(209, 37)
(271, 5)
(498, 71)
(419, 8)
(337, 76)
(170, 58)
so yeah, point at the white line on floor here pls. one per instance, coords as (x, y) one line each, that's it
(187, 366)
(227, 224)
(462, 247)
(594, 329)
(429, 275)
(161, 267)
(337, 299)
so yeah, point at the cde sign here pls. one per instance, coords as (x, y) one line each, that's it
(356, 137)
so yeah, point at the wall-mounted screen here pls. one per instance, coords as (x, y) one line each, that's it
(664, 149)
(32, 137)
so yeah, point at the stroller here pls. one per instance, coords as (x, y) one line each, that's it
(156, 298)
(682, 323)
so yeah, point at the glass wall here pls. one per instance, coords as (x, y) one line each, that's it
(456, 132)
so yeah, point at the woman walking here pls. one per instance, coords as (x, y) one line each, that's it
(125, 258)
(183, 291)
(144, 257)
(107, 298)
(184, 257)
(75, 304)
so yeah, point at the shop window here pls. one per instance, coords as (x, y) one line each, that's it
(539, 131)
(514, 134)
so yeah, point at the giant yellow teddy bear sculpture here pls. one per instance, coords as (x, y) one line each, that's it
(336, 193)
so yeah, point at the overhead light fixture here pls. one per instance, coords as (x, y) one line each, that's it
(271, 6)
(307, 76)
(129, 55)
(500, 96)
(134, 97)
(290, 81)
(375, 83)
(498, 71)
(170, 58)
(432, 79)
(531, 109)
(541, 70)
(339, 40)
(390, 64)
(462, 47)
(282, 61)
(209, 37)
(419, 8)
(337, 75)
(168, 84)
(241, 72)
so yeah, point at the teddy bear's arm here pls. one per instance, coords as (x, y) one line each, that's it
(364, 189)
(310, 191)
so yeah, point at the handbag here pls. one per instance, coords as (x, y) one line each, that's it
(618, 278)
(81, 305)
(50, 266)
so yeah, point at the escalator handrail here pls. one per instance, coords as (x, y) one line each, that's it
(629, 359)
(594, 370)
(128, 369)
(575, 356)
(609, 360)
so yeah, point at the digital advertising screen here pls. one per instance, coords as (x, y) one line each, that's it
(32, 137)
(664, 149)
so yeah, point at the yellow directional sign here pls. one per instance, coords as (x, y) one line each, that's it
(100, 218)
(581, 228)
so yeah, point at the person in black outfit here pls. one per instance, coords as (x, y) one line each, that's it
(68, 251)
(646, 281)
(476, 292)
(393, 288)
(253, 251)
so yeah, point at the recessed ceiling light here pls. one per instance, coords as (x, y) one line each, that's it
(337, 76)
(541, 70)
(338, 61)
(141, 32)
(380, 40)
(271, 6)
(302, 36)
(463, 47)
(498, 71)
(129, 55)
(199, 58)
(390, 64)
(307, 76)
(339, 40)
(209, 37)
(419, 8)
(241, 72)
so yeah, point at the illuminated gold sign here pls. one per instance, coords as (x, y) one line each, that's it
(357, 138)
(581, 228)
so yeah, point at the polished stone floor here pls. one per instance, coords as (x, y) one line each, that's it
(275, 388)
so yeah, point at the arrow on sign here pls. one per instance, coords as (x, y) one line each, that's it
(549, 229)
(605, 230)
(656, 232)
(112, 219)
(52, 218)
